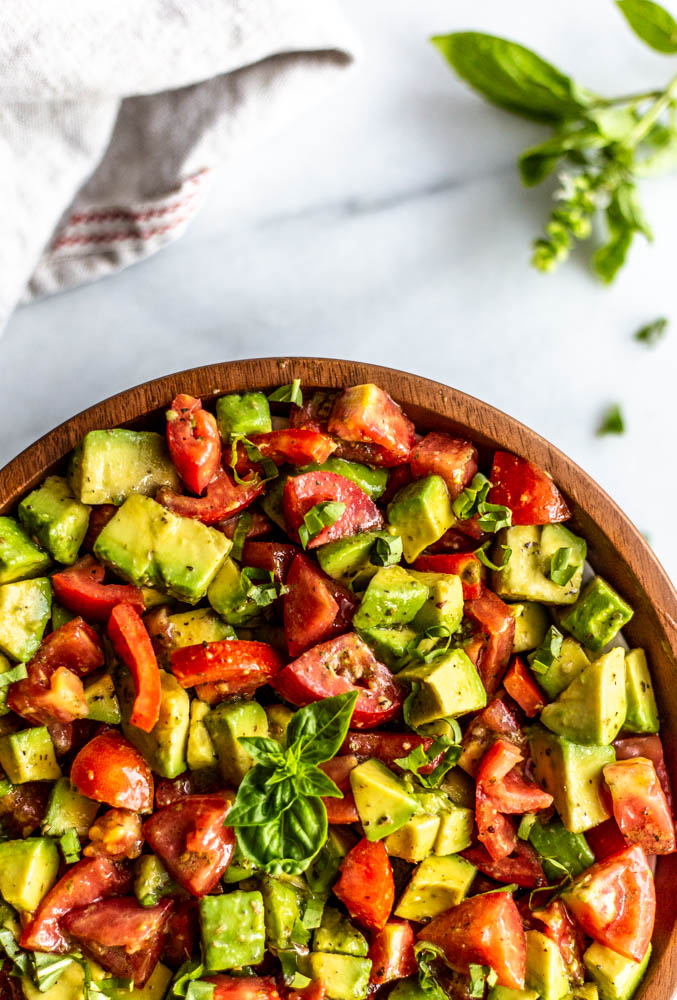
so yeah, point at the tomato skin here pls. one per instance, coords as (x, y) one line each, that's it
(124, 937)
(81, 589)
(605, 839)
(646, 746)
(182, 928)
(299, 446)
(338, 666)
(454, 459)
(109, 769)
(521, 867)
(132, 644)
(274, 557)
(194, 442)
(493, 618)
(223, 498)
(87, 881)
(463, 564)
(192, 841)
(303, 492)
(315, 412)
(367, 413)
(261, 526)
(497, 719)
(527, 490)
(555, 922)
(639, 804)
(243, 987)
(341, 811)
(392, 953)
(311, 611)
(242, 665)
(614, 902)
(387, 747)
(485, 930)
(99, 517)
(366, 885)
(522, 688)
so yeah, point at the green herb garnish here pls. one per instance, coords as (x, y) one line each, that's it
(386, 550)
(466, 503)
(480, 976)
(612, 422)
(319, 517)
(561, 568)
(70, 846)
(651, 333)
(546, 654)
(419, 757)
(290, 393)
(481, 554)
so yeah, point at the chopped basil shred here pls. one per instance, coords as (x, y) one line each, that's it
(242, 528)
(480, 976)
(612, 422)
(17, 673)
(481, 554)
(290, 393)
(561, 568)
(319, 517)
(546, 654)
(386, 550)
(466, 503)
(70, 846)
(653, 332)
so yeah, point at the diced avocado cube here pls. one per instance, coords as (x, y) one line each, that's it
(164, 747)
(455, 829)
(565, 668)
(20, 558)
(102, 700)
(531, 624)
(153, 598)
(348, 559)
(598, 615)
(127, 542)
(29, 756)
(444, 605)
(110, 465)
(616, 977)
(381, 799)
(225, 724)
(460, 788)
(155, 989)
(248, 413)
(546, 972)
(190, 628)
(337, 935)
(227, 595)
(281, 905)
(372, 481)
(200, 751)
(641, 714)
(506, 993)
(415, 840)
(436, 885)
(28, 870)
(271, 501)
(449, 686)
(583, 991)
(152, 881)
(421, 513)
(324, 868)
(279, 717)
(233, 930)
(393, 597)
(527, 575)
(345, 976)
(389, 645)
(572, 774)
(5, 665)
(53, 516)
(570, 850)
(25, 608)
(68, 810)
(592, 708)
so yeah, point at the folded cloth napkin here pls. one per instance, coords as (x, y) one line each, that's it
(113, 114)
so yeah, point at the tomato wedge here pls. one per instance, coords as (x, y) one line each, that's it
(223, 498)
(605, 839)
(87, 881)
(614, 902)
(303, 492)
(123, 937)
(81, 589)
(343, 664)
(190, 838)
(312, 612)
(463, 564)
(341, 811)
(454, 459)
(295, 446)
(493, 618)
(392, 953)
(646, 746)
(367, 413)
(527, 490)
(555, 922)
(244, 988)
(182, 932)
(132, 644)
(640, 807)
(194, 442)
(241, 665)
(521, 867)
(387, 747)
(109, 769)
(497, 719)
(522, 688)
(482, 930)
(366, 886)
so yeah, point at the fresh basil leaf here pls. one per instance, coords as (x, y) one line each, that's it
(287, 844)
(260, 586)
(115, 988)
(263, 750)
(561, 567)
(386, 550)
(242, 528)
(288, 393)
(200, 990)
(418, 758)
(189, 971)
(17, 673)
(525, 826)
(543, 658)
(658, 153)
(319, 729)
(493, 516)
(319, 517)
(478, 978)
(651, 333)
(70, 846)
(425, 954)
(262, 794)
(312, 781)
(428, 645)
(512, 76)
(612, 422)
(652, 23)
(538, 162)
(481, 554)
(624, 218)
(466, 503)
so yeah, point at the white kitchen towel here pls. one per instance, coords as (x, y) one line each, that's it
(112, 116)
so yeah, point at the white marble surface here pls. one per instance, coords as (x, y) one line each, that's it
(389, 226)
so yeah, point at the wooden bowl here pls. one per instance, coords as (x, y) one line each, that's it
(617, 550)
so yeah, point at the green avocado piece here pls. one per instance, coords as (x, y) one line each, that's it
(152, 881)
(164, 747)
(155, 989)
(455, 830)
(409, 989)
(324, 868)
(527, 575)
(68, 810)
(506, 993)
(5, 665)
(421, 513)
(572, 774)
(29, 756)
(200, 751)
(20, 557)
(642, 711)
(592, 708)
(598, 615)
(389, 645)
(345, 976)
(110, 465)
(190, 628)
(449, 686)
(53, 516)
(25, 609)
(415, 840)
(102, 700)
(279, 717)
(583, 991)
(281, 906)
(337, 935)
(271, 501)
(233, 930)
(225, 723)
(565, 668)
(372, 481)
(435, 886)
(571, 850)
(28, 870)
(383, 802)
(393, 597)
(348, 559)
(531, 624)
(444, 605)
(616, 977)
(248, 413)
(227, 595)
(546, 972)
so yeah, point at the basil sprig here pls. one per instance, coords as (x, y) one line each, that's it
(288, 393)
(319, 517)
(278, 815)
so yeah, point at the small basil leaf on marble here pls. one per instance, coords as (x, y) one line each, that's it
(652, 23)
(649, 334)
(612, 422)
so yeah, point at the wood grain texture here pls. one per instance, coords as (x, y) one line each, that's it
(617, 550)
